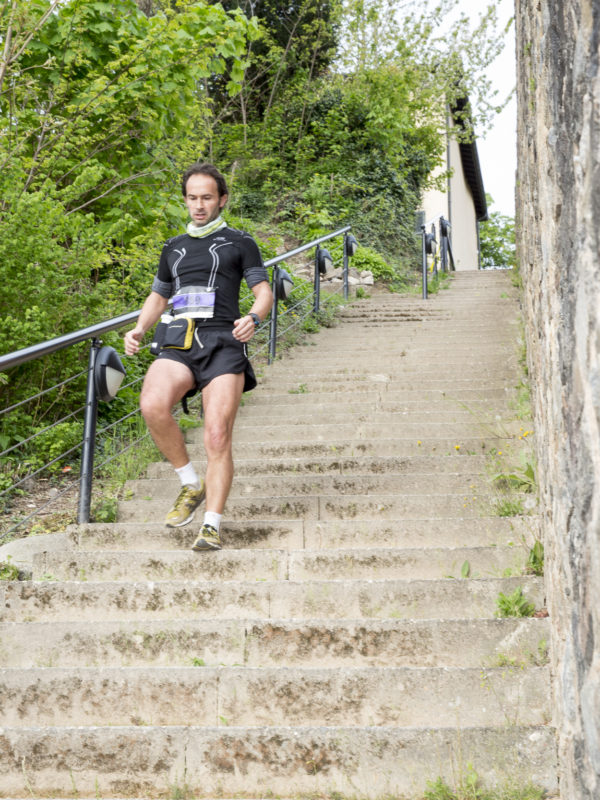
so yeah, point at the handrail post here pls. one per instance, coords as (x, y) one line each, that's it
(273, 325)
(316, 304)
(345, 266)
(89, 439)
(444, 242)
(424, 261)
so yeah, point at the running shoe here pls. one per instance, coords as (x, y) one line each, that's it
(184, 507)
(208, 539)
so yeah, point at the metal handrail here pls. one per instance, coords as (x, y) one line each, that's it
(429, 247)
(93, 332)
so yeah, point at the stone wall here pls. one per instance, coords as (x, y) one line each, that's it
(558, 200)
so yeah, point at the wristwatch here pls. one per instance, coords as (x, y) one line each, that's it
(255, 317)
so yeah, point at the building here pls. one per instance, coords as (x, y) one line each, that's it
(463, 202)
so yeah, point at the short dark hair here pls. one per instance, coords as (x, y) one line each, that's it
(204, 169)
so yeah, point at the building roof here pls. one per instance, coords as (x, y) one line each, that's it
(470, 159)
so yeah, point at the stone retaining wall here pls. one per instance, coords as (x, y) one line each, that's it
(558, 201)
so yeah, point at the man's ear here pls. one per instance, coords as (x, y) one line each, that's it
(222, 200)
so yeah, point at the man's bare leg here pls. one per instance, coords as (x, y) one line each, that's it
(166, 382)
(221, 400)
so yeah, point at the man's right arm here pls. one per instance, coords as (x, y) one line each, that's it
(153, 307)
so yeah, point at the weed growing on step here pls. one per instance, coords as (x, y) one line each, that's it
(469, 787)
(181, 791)
(529, 658)
(535, 560)
(514, 604)
(507, 507)
(437, 282)
(300, 390)
(521, 478)
(521, 402)
(105, 510)
(8, 571)
(543, 653)
(516, 483)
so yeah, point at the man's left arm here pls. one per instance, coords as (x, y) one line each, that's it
(244, 327)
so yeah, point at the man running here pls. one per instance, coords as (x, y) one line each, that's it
(205, 345)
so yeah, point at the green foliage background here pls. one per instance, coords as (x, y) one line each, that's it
(320, 113)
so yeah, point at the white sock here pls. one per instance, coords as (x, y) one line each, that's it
(187, 475)
(212, 518)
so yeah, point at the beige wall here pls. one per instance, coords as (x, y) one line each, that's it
(459, 209)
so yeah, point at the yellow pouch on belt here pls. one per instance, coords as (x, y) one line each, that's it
(179, 334)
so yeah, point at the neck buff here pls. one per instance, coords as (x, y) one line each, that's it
(200, 231)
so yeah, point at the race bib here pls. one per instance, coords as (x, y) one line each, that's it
(197, 302)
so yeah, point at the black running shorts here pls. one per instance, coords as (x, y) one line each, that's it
(214, 353)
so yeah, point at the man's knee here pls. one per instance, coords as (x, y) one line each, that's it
(154, 407)
(217, 437)
(166, 382)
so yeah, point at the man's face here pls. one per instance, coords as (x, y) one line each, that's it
(202, 199)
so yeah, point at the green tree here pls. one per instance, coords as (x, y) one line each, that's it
(356, 139)
(497, 240)
(100, 107)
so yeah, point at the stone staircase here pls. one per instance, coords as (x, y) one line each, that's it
(344, 642)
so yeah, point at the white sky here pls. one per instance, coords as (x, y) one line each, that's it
(498, 150)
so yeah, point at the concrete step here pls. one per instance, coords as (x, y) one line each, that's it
(291, 431)
(294, 534)
(296, 565)
(460, 350)
(320, 385)
(393, 323)
(392, 369)
(332, 465)
(327, 507)
(268, 484)
(391, 598)
(274, 643)
(402, 447)
(299, 394)
(375, 404)
(447, 414)
(414, 347)
(370, 762)
(252, 697)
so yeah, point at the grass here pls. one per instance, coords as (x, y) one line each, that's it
(529, 658)
(300, 390)
(509, 507)
(535, 560)
(8, 571)
(469, 787)
(514, 605)
(516, 484)
(520, 404)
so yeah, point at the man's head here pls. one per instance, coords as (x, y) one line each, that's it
(204, 191)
